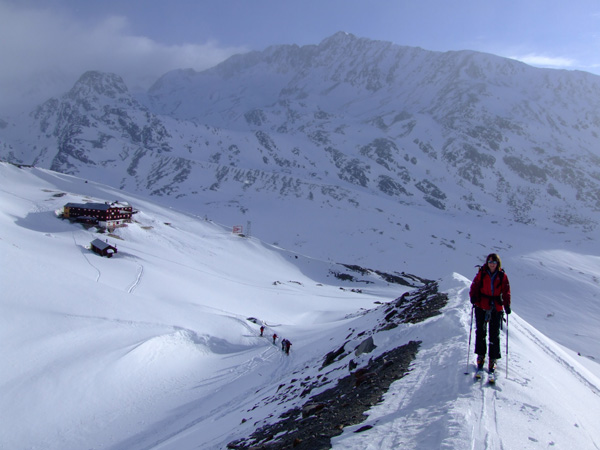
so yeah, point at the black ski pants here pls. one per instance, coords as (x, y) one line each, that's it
(481, 332)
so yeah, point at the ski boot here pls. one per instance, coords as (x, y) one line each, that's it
(492, 371)
(479, 373)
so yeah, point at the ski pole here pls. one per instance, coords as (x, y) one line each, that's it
(507, 345)
(469, 347)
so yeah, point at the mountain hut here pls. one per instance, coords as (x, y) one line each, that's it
(103, 248)
(106, 215)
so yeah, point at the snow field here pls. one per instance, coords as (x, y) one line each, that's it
(152, 348)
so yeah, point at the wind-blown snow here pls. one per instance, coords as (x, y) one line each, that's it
(152, 348)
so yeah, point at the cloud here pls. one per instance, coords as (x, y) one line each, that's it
(44, 52)
(555, 62)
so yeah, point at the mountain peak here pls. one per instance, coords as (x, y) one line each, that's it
(339, 37)
(96, 83)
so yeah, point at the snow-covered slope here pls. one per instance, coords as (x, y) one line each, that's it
(548, 399)
(153, 347)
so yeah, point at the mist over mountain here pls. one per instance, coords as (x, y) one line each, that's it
(347, 128)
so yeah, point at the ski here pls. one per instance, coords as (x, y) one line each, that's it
(491, 376)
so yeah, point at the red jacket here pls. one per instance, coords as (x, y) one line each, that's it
(483, 293)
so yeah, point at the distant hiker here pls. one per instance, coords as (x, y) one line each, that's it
(283, 341)
(262, 329)
(288, 344)
(490, 295)
(274, 338)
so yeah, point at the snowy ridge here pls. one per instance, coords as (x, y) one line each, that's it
(153, 347)
(439, 407)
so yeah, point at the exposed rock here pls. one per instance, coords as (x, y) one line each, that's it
(366, 346)
(325, 415)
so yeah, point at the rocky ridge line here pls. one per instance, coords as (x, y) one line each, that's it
(326, 414)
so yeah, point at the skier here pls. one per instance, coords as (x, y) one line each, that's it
(288, 344)
(283, 341)
(274, 338)
(262, 329)
(490, 296)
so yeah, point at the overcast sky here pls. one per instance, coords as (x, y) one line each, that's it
(45, 45)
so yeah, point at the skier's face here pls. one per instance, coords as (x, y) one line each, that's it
(492, 265)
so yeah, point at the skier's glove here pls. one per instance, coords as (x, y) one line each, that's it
(473, 300)
(507, 309)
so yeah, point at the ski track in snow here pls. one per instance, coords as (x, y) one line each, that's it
(137, 280)
(83, 253)
(460, 412)
(490, 429)
(131, 288)
(195, 268)
(414, 415)
(546, 349)
(187, 417)
(487, 435)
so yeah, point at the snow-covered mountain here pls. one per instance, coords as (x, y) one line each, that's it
(358, 127)
(159, 346)
(354, 151)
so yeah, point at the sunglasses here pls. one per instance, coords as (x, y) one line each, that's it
(492, 262)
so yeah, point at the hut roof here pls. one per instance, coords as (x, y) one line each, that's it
(101, 245)
(96, 206)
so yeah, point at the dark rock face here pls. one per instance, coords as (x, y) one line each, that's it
(366, 346)
(326, 414)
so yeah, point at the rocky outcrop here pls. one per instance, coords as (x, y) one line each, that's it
(314, 421)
